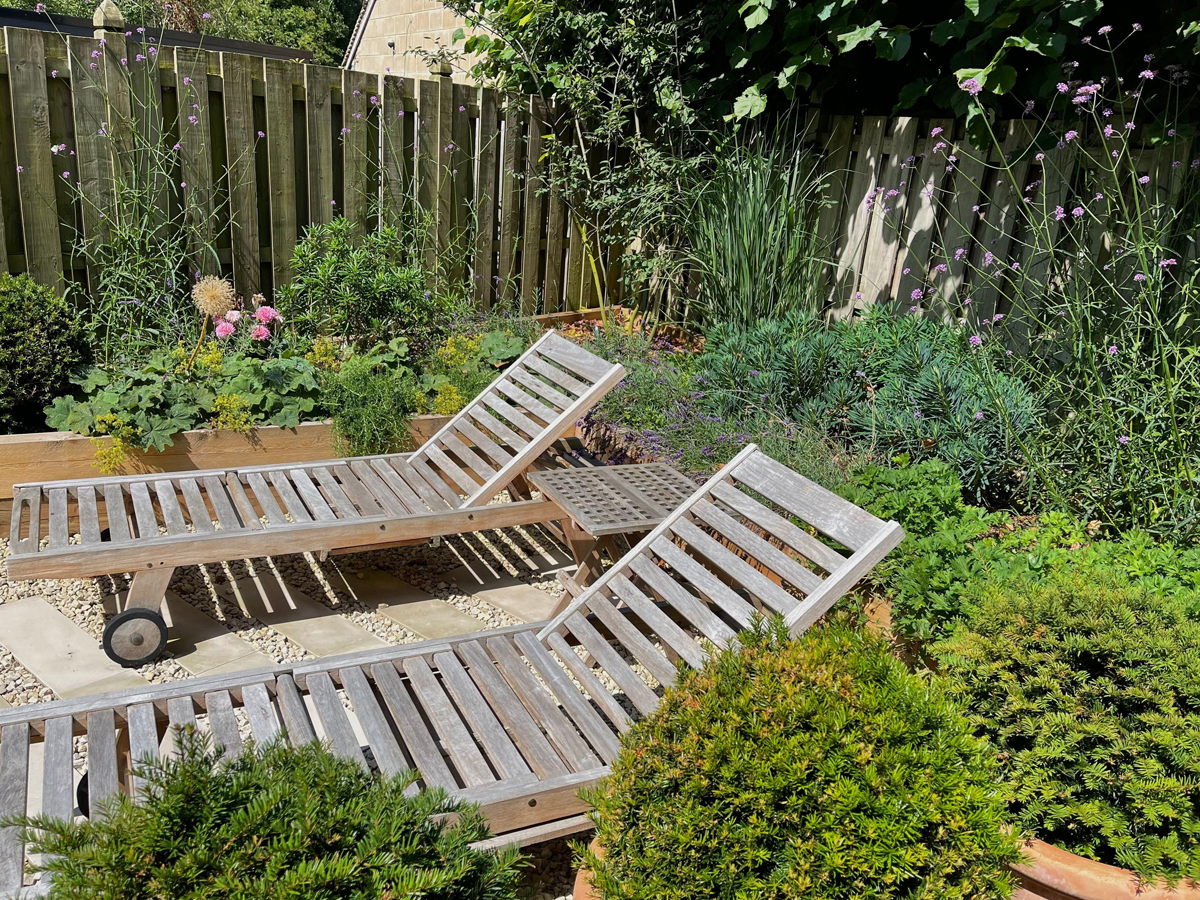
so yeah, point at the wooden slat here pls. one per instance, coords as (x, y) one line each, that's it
(89, 515)
(508, 707)
(836, 163)
(437, 459)
(299, 726)
(378, 488)
(494, 451)
(428, 156)
(485, 198)
(334, 719)
(757, 548)
(171, 510)
(264, 724)
(35, 181)
(495, 426)
(195, 155)
(102, 759)
(27, 508)
(658, 621)
(962, 217)
(422, 472)
(382, 742)
(612, 663)
(883, 236)
(145, 83)
(198, 511)
(1000, 221)
(14, 775)
(59, 523)
(245, 509)
(412, 728)
(295, 507)
(690, 607)
(595, 688)
(333, 491)
(452, 443)
(560, 400)
(561, 731)
(450, 728)
(143, 740)
(574, 358)
(266, 499)
(922, 181)
(632, 639)
(491, 735)
(557, 375)
(223, 723)
(531, 233)
(851, 245)
(399, 486)
(586, 719)
(116, 514)
(796, 538)
(510, 202)
(358, 155)
(429, 496)
(313, 499)
(728, 563)
(58, 772)
(143, 510)
(220, 502)
(93, 166)
(511, 414)
(393, 118)
(278, 76)
(576, 251)
(319, 82)
(362, 496)
(181, 712)
(823, 509)
(241, 137)
(528, 403)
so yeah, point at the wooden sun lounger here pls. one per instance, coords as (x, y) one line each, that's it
(151, 524)
(515, 719)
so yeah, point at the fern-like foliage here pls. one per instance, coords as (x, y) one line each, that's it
(802, 769)
(280, 824)
(1089, 692)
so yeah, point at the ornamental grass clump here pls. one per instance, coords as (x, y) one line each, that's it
(1088, 693)
(818, 767)
(268, 825)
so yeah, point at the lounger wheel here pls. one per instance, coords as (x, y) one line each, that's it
(135, 636)
(81, 797)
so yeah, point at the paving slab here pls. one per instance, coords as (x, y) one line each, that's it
(311, 624)
(507, 592)
(204, 646)
(59, 653)
(409, 606)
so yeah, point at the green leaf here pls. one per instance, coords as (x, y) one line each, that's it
(58, 413)
(95, 378)
(912, 92)
(80, 419)
(851, 39)
(751, 103)
(1001, 79)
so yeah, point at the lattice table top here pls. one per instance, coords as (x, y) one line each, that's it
(615, 499)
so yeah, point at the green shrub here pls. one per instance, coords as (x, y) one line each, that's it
(367, 288)
(41, 344)
(1088, 691)
(810, 768)
(466, 363)
(372, 398)
(289, 823)
(895, 385)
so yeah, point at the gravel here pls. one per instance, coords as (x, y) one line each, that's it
(551, 871)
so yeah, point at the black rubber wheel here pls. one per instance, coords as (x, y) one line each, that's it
(135, 636)
(81, 797)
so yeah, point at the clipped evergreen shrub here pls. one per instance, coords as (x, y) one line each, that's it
(289, 823)
(1088, 692)
(41, 344)
(818, 767)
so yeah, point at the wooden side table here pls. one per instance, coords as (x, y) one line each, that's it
(604, 501)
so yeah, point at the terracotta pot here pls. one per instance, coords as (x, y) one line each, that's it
(1055, 874)
(583, 889)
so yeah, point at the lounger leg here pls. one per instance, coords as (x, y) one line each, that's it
(519, 488)
(138, 633)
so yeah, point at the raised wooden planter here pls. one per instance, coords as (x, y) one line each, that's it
(55, 455)
(1055, 874)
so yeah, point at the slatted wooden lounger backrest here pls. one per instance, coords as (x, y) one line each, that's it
(729, 552)
(511, 423)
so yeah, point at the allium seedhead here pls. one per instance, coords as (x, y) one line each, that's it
(213, 296)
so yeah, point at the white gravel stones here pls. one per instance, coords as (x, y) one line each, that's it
(551, 873)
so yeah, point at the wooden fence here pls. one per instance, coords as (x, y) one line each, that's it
(256, 149)
(908, 195)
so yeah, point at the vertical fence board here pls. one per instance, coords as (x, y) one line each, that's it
(397, 149)
(195, 134)
(554, 250)
(851, 246)
(999, 223)
(510, 202)
(240, 140)
(836, 160)
(531, 234)
(146, 98)
(318, 85)
(92, 163)
(961, 218)
(31, 133)
(922, 183)
(444, 139)
(485, 197)
(278, 77)
(461, 160)
(427, 166)
(357, 89)
(575, 254)
(883, 237)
